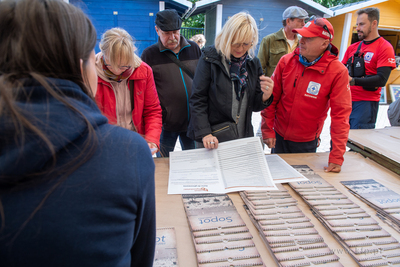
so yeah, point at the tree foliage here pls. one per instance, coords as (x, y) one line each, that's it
(196, 21)
(331, 3)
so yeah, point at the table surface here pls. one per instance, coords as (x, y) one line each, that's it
(385, 141)
(170, 211)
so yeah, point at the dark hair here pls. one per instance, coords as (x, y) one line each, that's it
(372, 12)
(42, 39)
(284, 21)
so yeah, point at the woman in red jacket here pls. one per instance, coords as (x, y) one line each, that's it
(119, 70)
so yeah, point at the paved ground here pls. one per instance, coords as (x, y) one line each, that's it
(381, 122)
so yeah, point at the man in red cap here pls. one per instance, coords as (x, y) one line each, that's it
(307, 82)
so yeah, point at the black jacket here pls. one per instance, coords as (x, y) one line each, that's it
(173, 84)
(211, 99)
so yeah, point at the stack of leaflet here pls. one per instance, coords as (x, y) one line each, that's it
(357, 232)
(220, 236)
(286, 231)
(165, 253)
(383, 200)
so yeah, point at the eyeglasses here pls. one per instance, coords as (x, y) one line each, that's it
(245, 45)
(321, 23)
(124, 68)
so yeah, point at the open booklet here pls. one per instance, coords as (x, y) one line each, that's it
(235, 166)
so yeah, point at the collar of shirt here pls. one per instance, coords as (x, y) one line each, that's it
(291, 48)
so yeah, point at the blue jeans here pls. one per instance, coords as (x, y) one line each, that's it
(363, 114)
(168, 141)
(286, 146)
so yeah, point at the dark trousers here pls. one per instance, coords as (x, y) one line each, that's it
(286, 146)
(168, 141)
(363, 114)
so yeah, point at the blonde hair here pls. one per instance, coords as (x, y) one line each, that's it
(198, 38)
(118, 46)
(240, 28)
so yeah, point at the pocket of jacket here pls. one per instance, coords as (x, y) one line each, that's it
(275, 55)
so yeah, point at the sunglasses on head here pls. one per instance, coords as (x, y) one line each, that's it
(320, 22)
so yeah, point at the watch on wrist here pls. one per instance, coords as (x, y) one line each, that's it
(352, 82)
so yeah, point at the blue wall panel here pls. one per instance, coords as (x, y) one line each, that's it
(133, 16)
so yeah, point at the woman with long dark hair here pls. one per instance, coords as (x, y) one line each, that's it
(74, 190)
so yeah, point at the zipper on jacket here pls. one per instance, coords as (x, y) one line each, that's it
(223, 128)
(295, 80)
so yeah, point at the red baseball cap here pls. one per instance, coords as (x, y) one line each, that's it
(316, 27)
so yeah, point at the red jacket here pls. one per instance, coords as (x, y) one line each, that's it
(146, 114)
(302, 97)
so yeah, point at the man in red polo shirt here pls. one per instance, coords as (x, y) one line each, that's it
(379, 60)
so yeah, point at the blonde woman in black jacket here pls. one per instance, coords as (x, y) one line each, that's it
(228, 85)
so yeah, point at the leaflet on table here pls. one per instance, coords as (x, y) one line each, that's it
(235, 166)
(360, 235)
(281, 171)
(289, 235)
(165, 253)
(374, 192)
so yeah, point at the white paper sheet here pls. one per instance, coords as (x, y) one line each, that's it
(281, 171)
(235, 166)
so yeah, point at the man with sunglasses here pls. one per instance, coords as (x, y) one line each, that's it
(307, 82)
(174, 61)
(278, 44)
(379, 60)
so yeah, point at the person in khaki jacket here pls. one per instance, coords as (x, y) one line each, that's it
(282, 42)
(276, 45)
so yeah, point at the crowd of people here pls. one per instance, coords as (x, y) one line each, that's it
(78, 129)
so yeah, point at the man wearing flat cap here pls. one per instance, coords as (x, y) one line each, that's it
(284, 41)
(173, 60)
(307, 82)
(278, 44)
